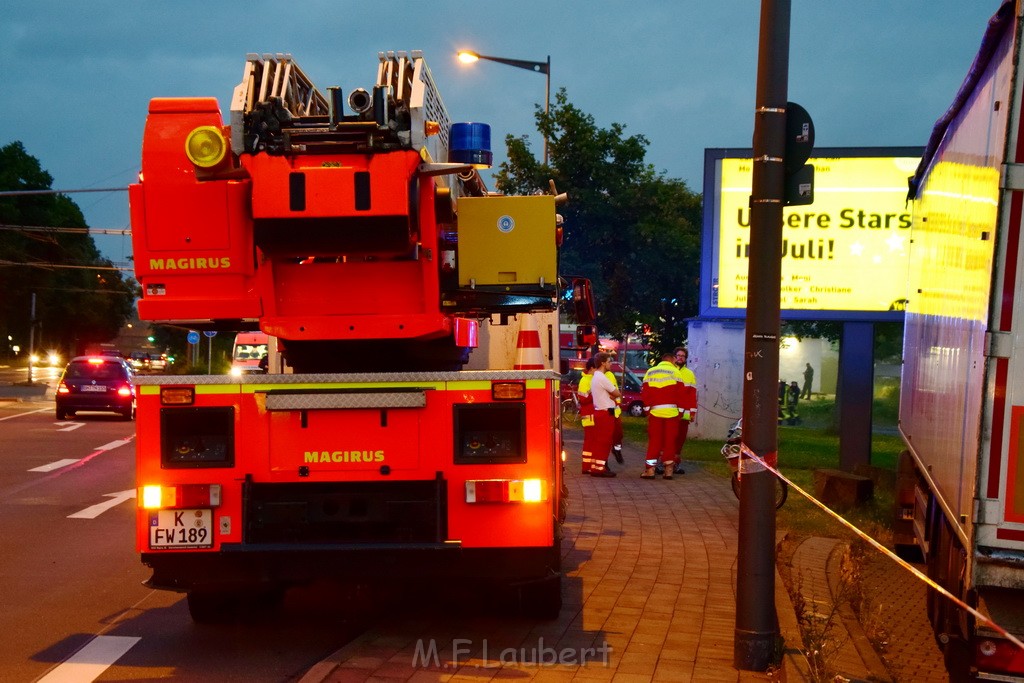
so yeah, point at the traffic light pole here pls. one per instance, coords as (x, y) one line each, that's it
(757, 630)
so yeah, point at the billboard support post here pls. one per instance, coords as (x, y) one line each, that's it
(856, 390)
(757, 629)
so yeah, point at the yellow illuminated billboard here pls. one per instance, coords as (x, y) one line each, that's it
(846, 252)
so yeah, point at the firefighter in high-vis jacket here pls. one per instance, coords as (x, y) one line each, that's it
(604, 395)
(661, 395)
(687, 404)
(586, 402)
(617, 427)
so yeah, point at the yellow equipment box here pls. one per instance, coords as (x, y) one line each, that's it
(507, 242)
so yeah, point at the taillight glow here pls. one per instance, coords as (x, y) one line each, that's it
(124, 391)
(182, 396)
(154, 496)
(997, 654)
(508, 391)
(63, 389)
(506, 491)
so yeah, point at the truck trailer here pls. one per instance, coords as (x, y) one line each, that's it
(960, 497)
(364, 241)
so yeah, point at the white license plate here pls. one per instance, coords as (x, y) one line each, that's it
(180, 529)
(94, 387)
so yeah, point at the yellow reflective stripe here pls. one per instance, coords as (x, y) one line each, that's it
(211, 389)
(485, 385)
(262, 388)
(207, 389)
(482, 385)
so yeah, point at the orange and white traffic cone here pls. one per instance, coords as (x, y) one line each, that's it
(529, 355)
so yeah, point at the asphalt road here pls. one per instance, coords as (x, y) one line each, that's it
(72, 603)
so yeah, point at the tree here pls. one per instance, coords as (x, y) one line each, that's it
(634, 232)
(80, 297)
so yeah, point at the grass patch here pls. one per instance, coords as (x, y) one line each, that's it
(803, 449)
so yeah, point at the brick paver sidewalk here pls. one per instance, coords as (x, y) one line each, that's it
(649, 576)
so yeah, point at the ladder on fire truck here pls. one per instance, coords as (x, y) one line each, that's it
(404, 85)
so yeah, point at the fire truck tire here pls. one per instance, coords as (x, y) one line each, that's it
(211, 608)
(541, 600)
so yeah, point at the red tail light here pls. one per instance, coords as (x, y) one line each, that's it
(63, 389)
(154, 496)
(124, 391)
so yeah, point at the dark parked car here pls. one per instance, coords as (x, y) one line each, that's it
(102, 383)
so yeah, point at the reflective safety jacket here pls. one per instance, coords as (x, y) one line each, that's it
(688, 399)
(586, 401)
(662, 390)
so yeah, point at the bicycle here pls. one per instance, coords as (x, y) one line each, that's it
(571, 408)
(732, 452)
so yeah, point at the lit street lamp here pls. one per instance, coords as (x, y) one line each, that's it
(468, 57)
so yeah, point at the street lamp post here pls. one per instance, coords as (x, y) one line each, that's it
(468, 56)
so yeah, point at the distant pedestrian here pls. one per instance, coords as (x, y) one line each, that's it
(604, 395)
(264, 363)
(661, 393)
(783, 387)
(808, 379)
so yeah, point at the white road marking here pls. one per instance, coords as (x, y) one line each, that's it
(94, 511)
(54, 465)
(69, 426)
(92, 660)
(115, 444)
(27, 412)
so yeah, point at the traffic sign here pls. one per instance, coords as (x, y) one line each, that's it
(193, 337)
(210, 333)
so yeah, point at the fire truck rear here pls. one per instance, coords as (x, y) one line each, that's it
(364, 240)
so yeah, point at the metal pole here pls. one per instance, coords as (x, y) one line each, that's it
(547, 107)
(31, 336)
(757, 629)
(209, 355)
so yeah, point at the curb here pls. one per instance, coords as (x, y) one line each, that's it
(873, 663)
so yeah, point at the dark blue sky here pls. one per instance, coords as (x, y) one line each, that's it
(77, 76)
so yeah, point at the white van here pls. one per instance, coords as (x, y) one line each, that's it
(250, 348)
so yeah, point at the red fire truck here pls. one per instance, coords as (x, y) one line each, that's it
(365, 241)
